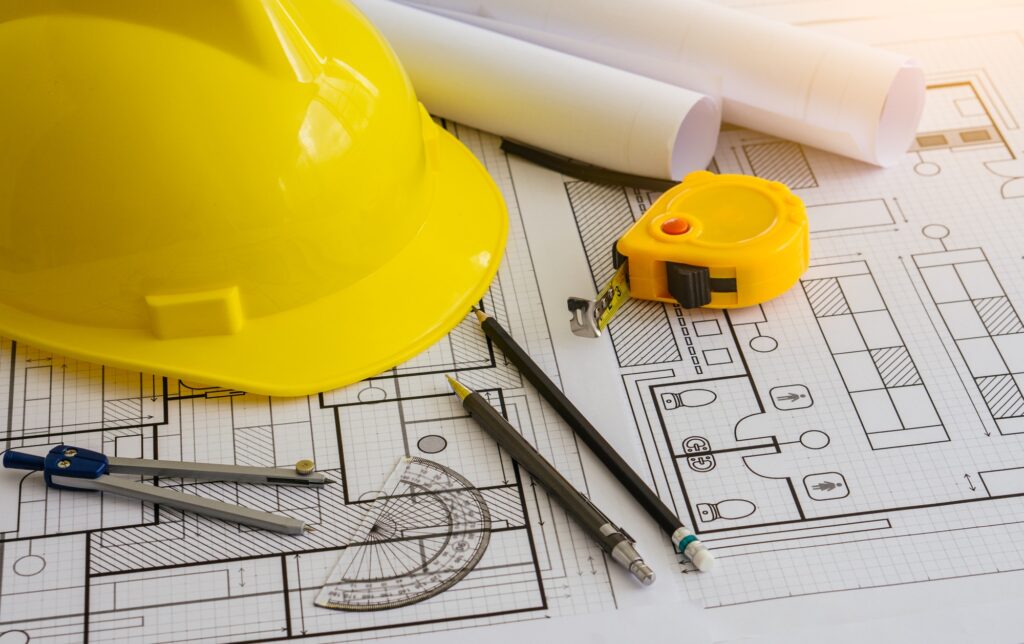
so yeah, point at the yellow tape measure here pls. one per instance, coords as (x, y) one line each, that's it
(720, 241)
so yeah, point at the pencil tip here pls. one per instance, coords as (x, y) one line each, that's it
(308, 528)
(460, 389)
(480, 315)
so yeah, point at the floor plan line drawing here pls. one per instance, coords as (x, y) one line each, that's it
(964, 97)
(852, 216)
(866, 421)
(698, 450)
(979, 407)
(984, 325)
(979, 108)
(892, 402)
(128, 557)
(782, 161)
(875, 432)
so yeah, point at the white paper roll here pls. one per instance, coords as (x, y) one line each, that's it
(829, 93)
(548, 99)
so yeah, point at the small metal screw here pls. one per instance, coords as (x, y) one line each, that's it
(305, 466)
(65, 464)
(71, 451)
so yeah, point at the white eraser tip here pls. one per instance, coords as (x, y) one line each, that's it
(704, 560)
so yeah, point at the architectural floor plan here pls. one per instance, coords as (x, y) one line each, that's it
(880, 401)
(80, 566)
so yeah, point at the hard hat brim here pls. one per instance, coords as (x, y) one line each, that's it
(408, 304)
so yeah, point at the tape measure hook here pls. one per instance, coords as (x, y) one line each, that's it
(584, 317)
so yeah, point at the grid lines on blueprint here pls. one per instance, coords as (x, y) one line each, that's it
(881, 400)
(90, 567)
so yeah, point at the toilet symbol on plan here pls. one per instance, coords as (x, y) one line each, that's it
(789, 397)
(727, 509)
(688, 398)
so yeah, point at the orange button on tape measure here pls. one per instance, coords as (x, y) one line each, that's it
(720, 241)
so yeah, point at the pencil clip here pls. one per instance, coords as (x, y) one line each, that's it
(615, 527)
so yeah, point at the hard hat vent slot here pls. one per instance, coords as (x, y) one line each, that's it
(185, 315)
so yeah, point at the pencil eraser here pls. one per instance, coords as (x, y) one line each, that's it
(703, 560)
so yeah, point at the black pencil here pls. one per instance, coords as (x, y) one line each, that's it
(684, 540)
(612, 539)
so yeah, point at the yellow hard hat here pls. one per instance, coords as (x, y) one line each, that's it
(237, 192)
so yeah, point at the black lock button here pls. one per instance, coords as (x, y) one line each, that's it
(689, 285)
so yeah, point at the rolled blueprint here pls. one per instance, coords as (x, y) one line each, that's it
(829, 93)
(548, 99)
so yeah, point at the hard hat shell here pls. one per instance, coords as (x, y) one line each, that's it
(241, 192)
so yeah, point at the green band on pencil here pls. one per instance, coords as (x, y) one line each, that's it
(685, 541)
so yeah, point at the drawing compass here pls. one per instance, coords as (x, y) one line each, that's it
(717, 241)
(73, 468)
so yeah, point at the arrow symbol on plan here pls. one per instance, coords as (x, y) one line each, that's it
(789, 398)
(241, 575)
(970, 482)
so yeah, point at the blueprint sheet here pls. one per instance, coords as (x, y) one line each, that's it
(864, 431)
(854, 451)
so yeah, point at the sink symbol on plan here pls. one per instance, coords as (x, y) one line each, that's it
(699, 462)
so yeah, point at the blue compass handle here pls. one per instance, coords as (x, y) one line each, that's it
(22, 461)
(62, 460)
